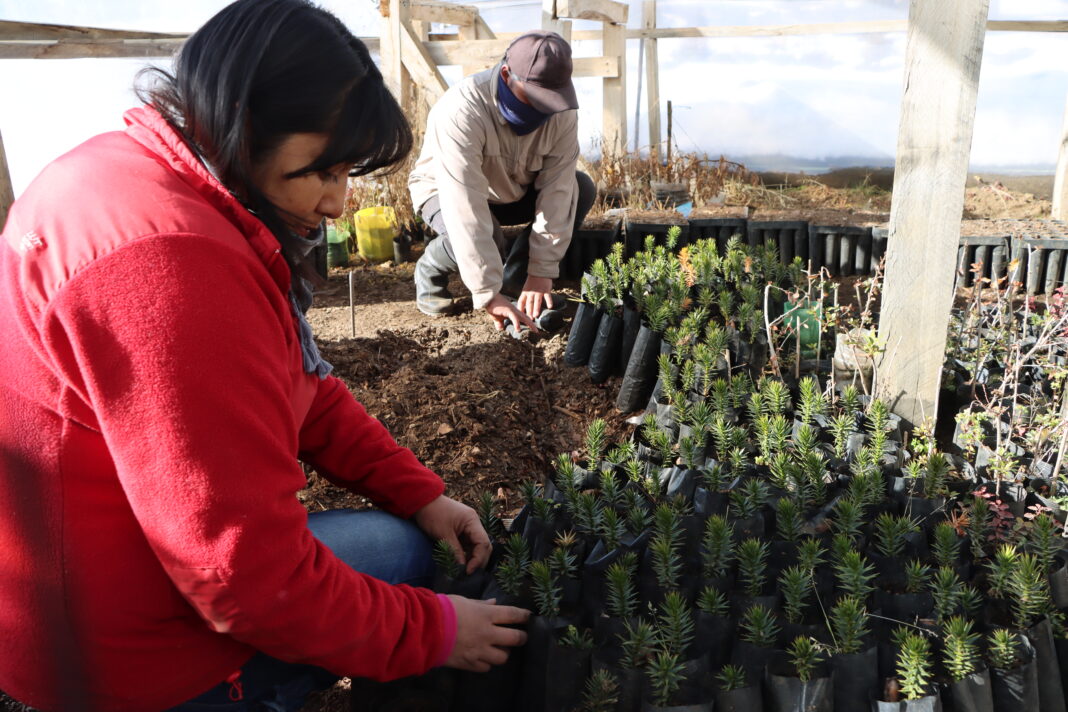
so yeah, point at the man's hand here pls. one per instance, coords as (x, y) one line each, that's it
(500, 308)
(458, 524)
(481, 639)
(536, 293)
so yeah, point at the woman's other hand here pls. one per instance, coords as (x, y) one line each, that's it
(481, 638)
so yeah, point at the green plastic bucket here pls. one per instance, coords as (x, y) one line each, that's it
(337, 248)
(802, 316)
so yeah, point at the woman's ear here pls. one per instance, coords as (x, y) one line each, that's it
(505, 73)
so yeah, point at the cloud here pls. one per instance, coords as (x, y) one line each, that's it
(803, 95)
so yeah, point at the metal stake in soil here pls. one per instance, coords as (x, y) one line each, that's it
(352, 303)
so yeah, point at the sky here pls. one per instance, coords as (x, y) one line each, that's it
(812, 98)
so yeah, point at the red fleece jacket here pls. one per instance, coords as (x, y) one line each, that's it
(153, 408)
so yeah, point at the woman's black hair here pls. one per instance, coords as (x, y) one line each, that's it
(260, 70)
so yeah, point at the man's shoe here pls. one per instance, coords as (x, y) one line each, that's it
(432, 272)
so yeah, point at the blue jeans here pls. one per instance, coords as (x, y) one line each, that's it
(371, 542)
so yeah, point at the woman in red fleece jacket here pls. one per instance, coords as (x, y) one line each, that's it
(159, 386)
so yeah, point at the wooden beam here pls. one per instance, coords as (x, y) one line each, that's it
(7, 192)
(44, 32)
(599, 10)
(87, 49)
(477, 30)
(398, 76)
(1060, 182)
(652, 80)
(446, 13)
(420, 66)
(943, 54)
(614, 119)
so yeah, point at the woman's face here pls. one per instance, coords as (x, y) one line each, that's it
(304, 201)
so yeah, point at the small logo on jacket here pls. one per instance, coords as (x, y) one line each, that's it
(30, 241)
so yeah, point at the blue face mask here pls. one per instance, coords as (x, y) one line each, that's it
(523, 118)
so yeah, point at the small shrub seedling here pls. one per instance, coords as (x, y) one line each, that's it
(914, 669)
(601, 693)
(805, 654)
(445, 558)
(1003, 649)
(713, 602)
(960, 654)
(795, 583)
(891, 532)
(731, 677)
(717, 551)
(759, 627)
(752, 565)
(849, 624)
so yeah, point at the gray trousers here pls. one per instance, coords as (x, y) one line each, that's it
(514, 253)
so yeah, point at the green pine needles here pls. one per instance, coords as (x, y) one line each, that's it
(1003, 649)
(1029, 589)
(752, 565)
(675, 624)
(601, 693)
(789, 521)
(731, 677)
(917, 576)
(596, 440)
(855, 575)
(891, 532)
(717, 550)
(805, 654)
(849, 624)
(795, 584)
(960, 654)
(914, 668)
(946, 548)
(545, 589)
(713, 602)
(946, 589)
(621, 591)
(445, 558)
(1000, 568)
(512, 570)
(665, 672)
(759, 627)
(486, 507)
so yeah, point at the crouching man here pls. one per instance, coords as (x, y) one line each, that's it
(500, 149)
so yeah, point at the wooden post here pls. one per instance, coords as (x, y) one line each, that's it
(652, 80)
(400, 79)
(943, 54)
(614, 123)
(477, 30)
(669, 117)
(7, 192)
(1060, 182)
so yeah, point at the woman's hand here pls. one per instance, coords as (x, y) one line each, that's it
(481, 638)
(458, 524)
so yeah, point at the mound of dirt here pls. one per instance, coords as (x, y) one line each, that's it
(481, 409)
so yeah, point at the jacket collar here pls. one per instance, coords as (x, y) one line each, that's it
(146, 126)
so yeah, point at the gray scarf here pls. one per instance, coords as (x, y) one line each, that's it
(300, 300)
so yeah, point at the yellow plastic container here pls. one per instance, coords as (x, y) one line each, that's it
(375, 229)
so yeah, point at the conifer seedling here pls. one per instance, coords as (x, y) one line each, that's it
(713, 602)
(752, 565)
(545, 589)
(675, 624)
(1003, 649)
(795, 584)
(445, 558)
(805, 654)
(946, 548)
(601, 693)
(849, 624)
(638, 642)
(960, 654)
(891, 532)
(914, 667)
(759, 626)
(855, 575)
(917, 576)
(731, 677)
(717, 551)
(946, 589)
(789, 521)
(665, 675)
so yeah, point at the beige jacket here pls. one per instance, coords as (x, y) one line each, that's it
(471, 157)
